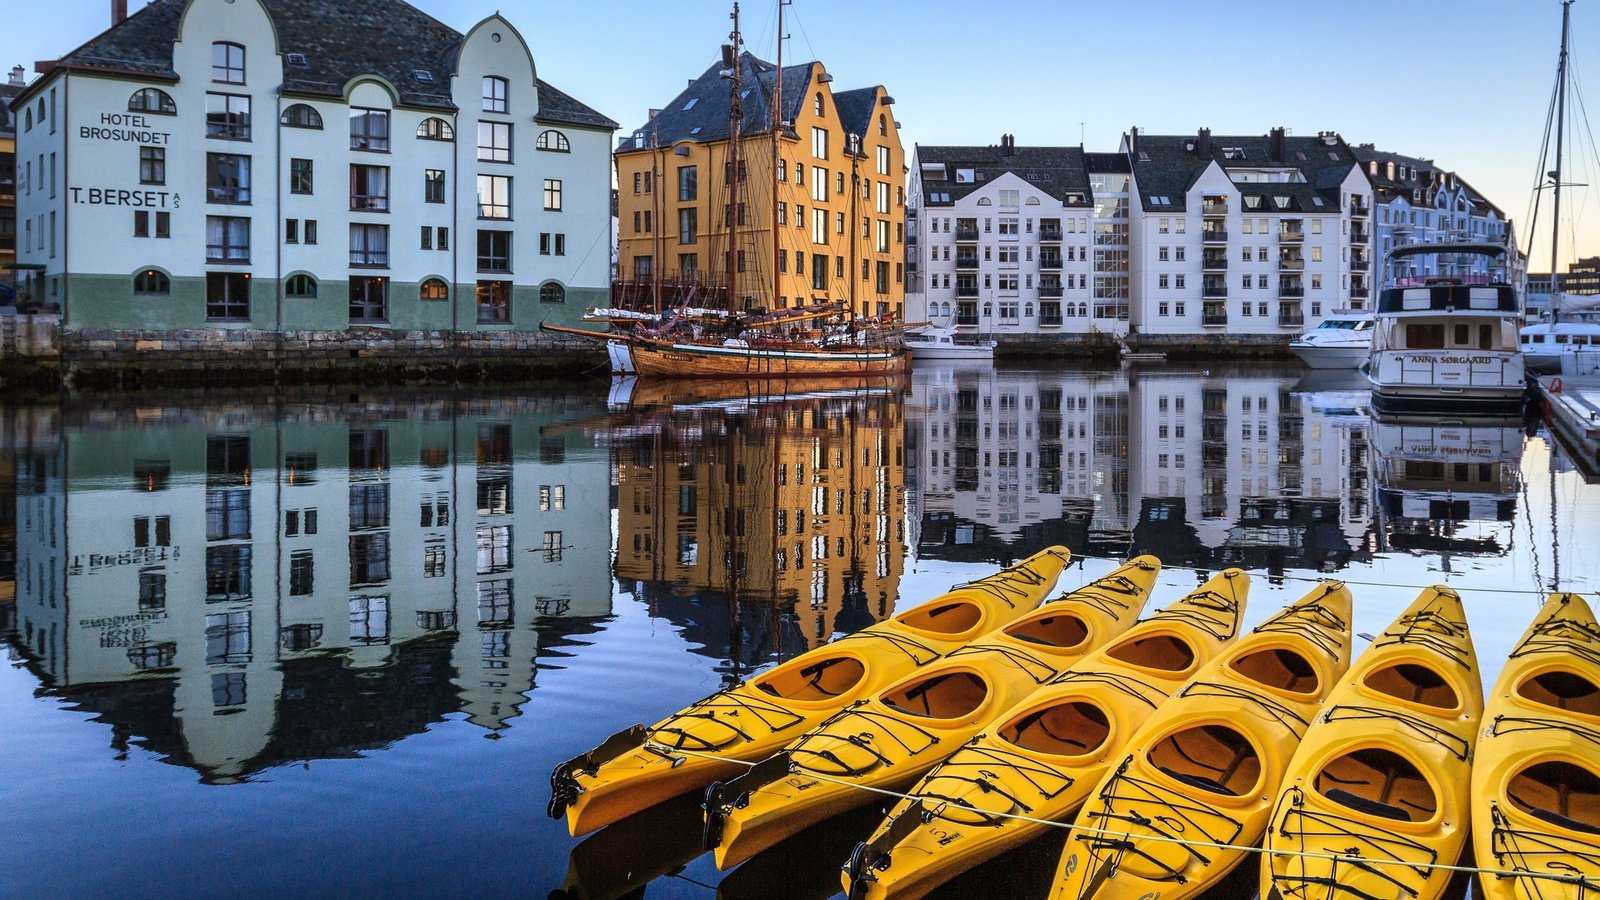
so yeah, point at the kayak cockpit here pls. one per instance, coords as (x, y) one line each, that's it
(1560, 793)
(1279, 668)
(943, 618)
(1562, 689)
(1063, 632)
(946, 695)
(1213, 758)
(822, 680)
(1162, 652)
(1380, 783)
(1415, 684)
(1063, 729)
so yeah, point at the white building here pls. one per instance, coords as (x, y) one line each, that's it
(279, 165)
(1416, 202)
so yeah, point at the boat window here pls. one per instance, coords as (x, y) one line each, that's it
(1463, 335)
(1424, 337)
(1485, 336)
(1561, 339)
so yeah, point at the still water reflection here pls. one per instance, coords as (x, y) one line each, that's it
(257, 646)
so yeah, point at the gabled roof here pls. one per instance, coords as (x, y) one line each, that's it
(1420, 175)
(1165, 167)
(855, 108)
(700, 113)
(337, 40)
(1056, 171)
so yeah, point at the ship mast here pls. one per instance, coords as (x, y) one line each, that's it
(777, 128)
(731, 63)
(1561, 117)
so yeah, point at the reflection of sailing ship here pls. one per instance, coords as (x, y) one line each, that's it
(1429, 478)
(792, 502)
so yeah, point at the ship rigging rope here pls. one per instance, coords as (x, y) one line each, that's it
(1583, 881)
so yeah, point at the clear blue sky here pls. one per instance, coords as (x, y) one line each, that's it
(1464, 82)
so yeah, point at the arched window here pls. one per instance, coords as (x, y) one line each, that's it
(552, 292)
(985, 201)
(816, 104)
(301, 116)
(227, 63)
(556, 141)
(300, 286)
(152, 281)
(433, 289)
(27, 115)
(988, 310)
(434, 128)
(152, 100)
(883, 124)
(1027, 310)
(496, 94)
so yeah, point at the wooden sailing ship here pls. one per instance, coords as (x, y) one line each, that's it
(713, 326)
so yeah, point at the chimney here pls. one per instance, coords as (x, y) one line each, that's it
(16, 76)
(1202, 143)
(119, 12)
(1133, 140)
(1280, 147)
(1008, 144)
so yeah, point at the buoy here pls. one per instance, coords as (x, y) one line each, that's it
(1555, 385)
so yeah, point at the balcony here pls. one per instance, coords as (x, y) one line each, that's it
(1291, 290)
(966, 263)
(1359, 236)
(1214, 289)
(912, 240)
(1052, 291)
(1050, 234)
(1214, 236)
(1359, 265)
(1291, 317)
(1358, 207)
(1049, 261)
(967, 291)
(1213, 208)
(1291, 235)
(1050, 320)
(966, 234)
(967, 319)
(1214, 262)
(1359, 291)
(1291, 264)
(1214, 319)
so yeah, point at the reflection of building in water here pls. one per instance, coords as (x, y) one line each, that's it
(1011, 462)
(1201, 469)
(240, 592)
(1432, 481)
(795, 504)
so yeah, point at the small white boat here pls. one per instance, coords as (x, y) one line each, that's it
(1545, 343)
(1342, 341)
(942, 344)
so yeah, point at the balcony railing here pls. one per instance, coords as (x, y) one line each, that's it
(1358, 290)
(967, 291)
(911, 240)
(1213, 208)
(1214, 236)
(1214, 289)
(1049, 261)
(968, 319)
(1050, 235)
(1214, 261)
(1359, 236)
(1050, 290)
(1358, 207)
(1291, 264)
(1291, 290)
(1296, 320)
(1212, 319)
(966, 263)
(1359, 265)
(1054, 320)
(966, 234)
(1291, 235)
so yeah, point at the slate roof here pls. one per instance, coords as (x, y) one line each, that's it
(706, 118)
(1167, 166)
(339, 39)
(1422, 174)
(1057, 171)
(8, 118)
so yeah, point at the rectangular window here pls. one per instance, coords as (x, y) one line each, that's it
(819, 143)
(369, 617)
(432, 185)
(152, 165)
(369, 129)
(427, 238)
(494, 251)
(495, 91)
(227, 63)
(227, 296)
(883, 161)
(302, 573)
(494, 142)
(308, 230)
(369, 299)
(494, 549)
(227, 239)
(228, 117)
(227, 573)
(688, 225)
(552, 194)
(369, 244)
(141, 223)
(369, 188)
(300, 176)
(494, 196)
(688, 183)
(494, 302)
(227, 178)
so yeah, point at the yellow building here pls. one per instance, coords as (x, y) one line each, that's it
(800, 505)
(839, 177)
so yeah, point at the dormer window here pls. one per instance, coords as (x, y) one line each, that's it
(227, 63)
(496, 91)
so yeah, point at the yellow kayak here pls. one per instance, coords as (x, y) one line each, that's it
(1536, 781)
(1041, 757)
(1382, 772)
(640, 767)
(889, 739)
(1207, 765)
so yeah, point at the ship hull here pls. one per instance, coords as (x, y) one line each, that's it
(694, 361)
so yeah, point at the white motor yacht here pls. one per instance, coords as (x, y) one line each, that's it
(1342, 341)
(941, 343)
(1448, 340)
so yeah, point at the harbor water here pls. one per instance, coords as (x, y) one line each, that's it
(334, 642)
